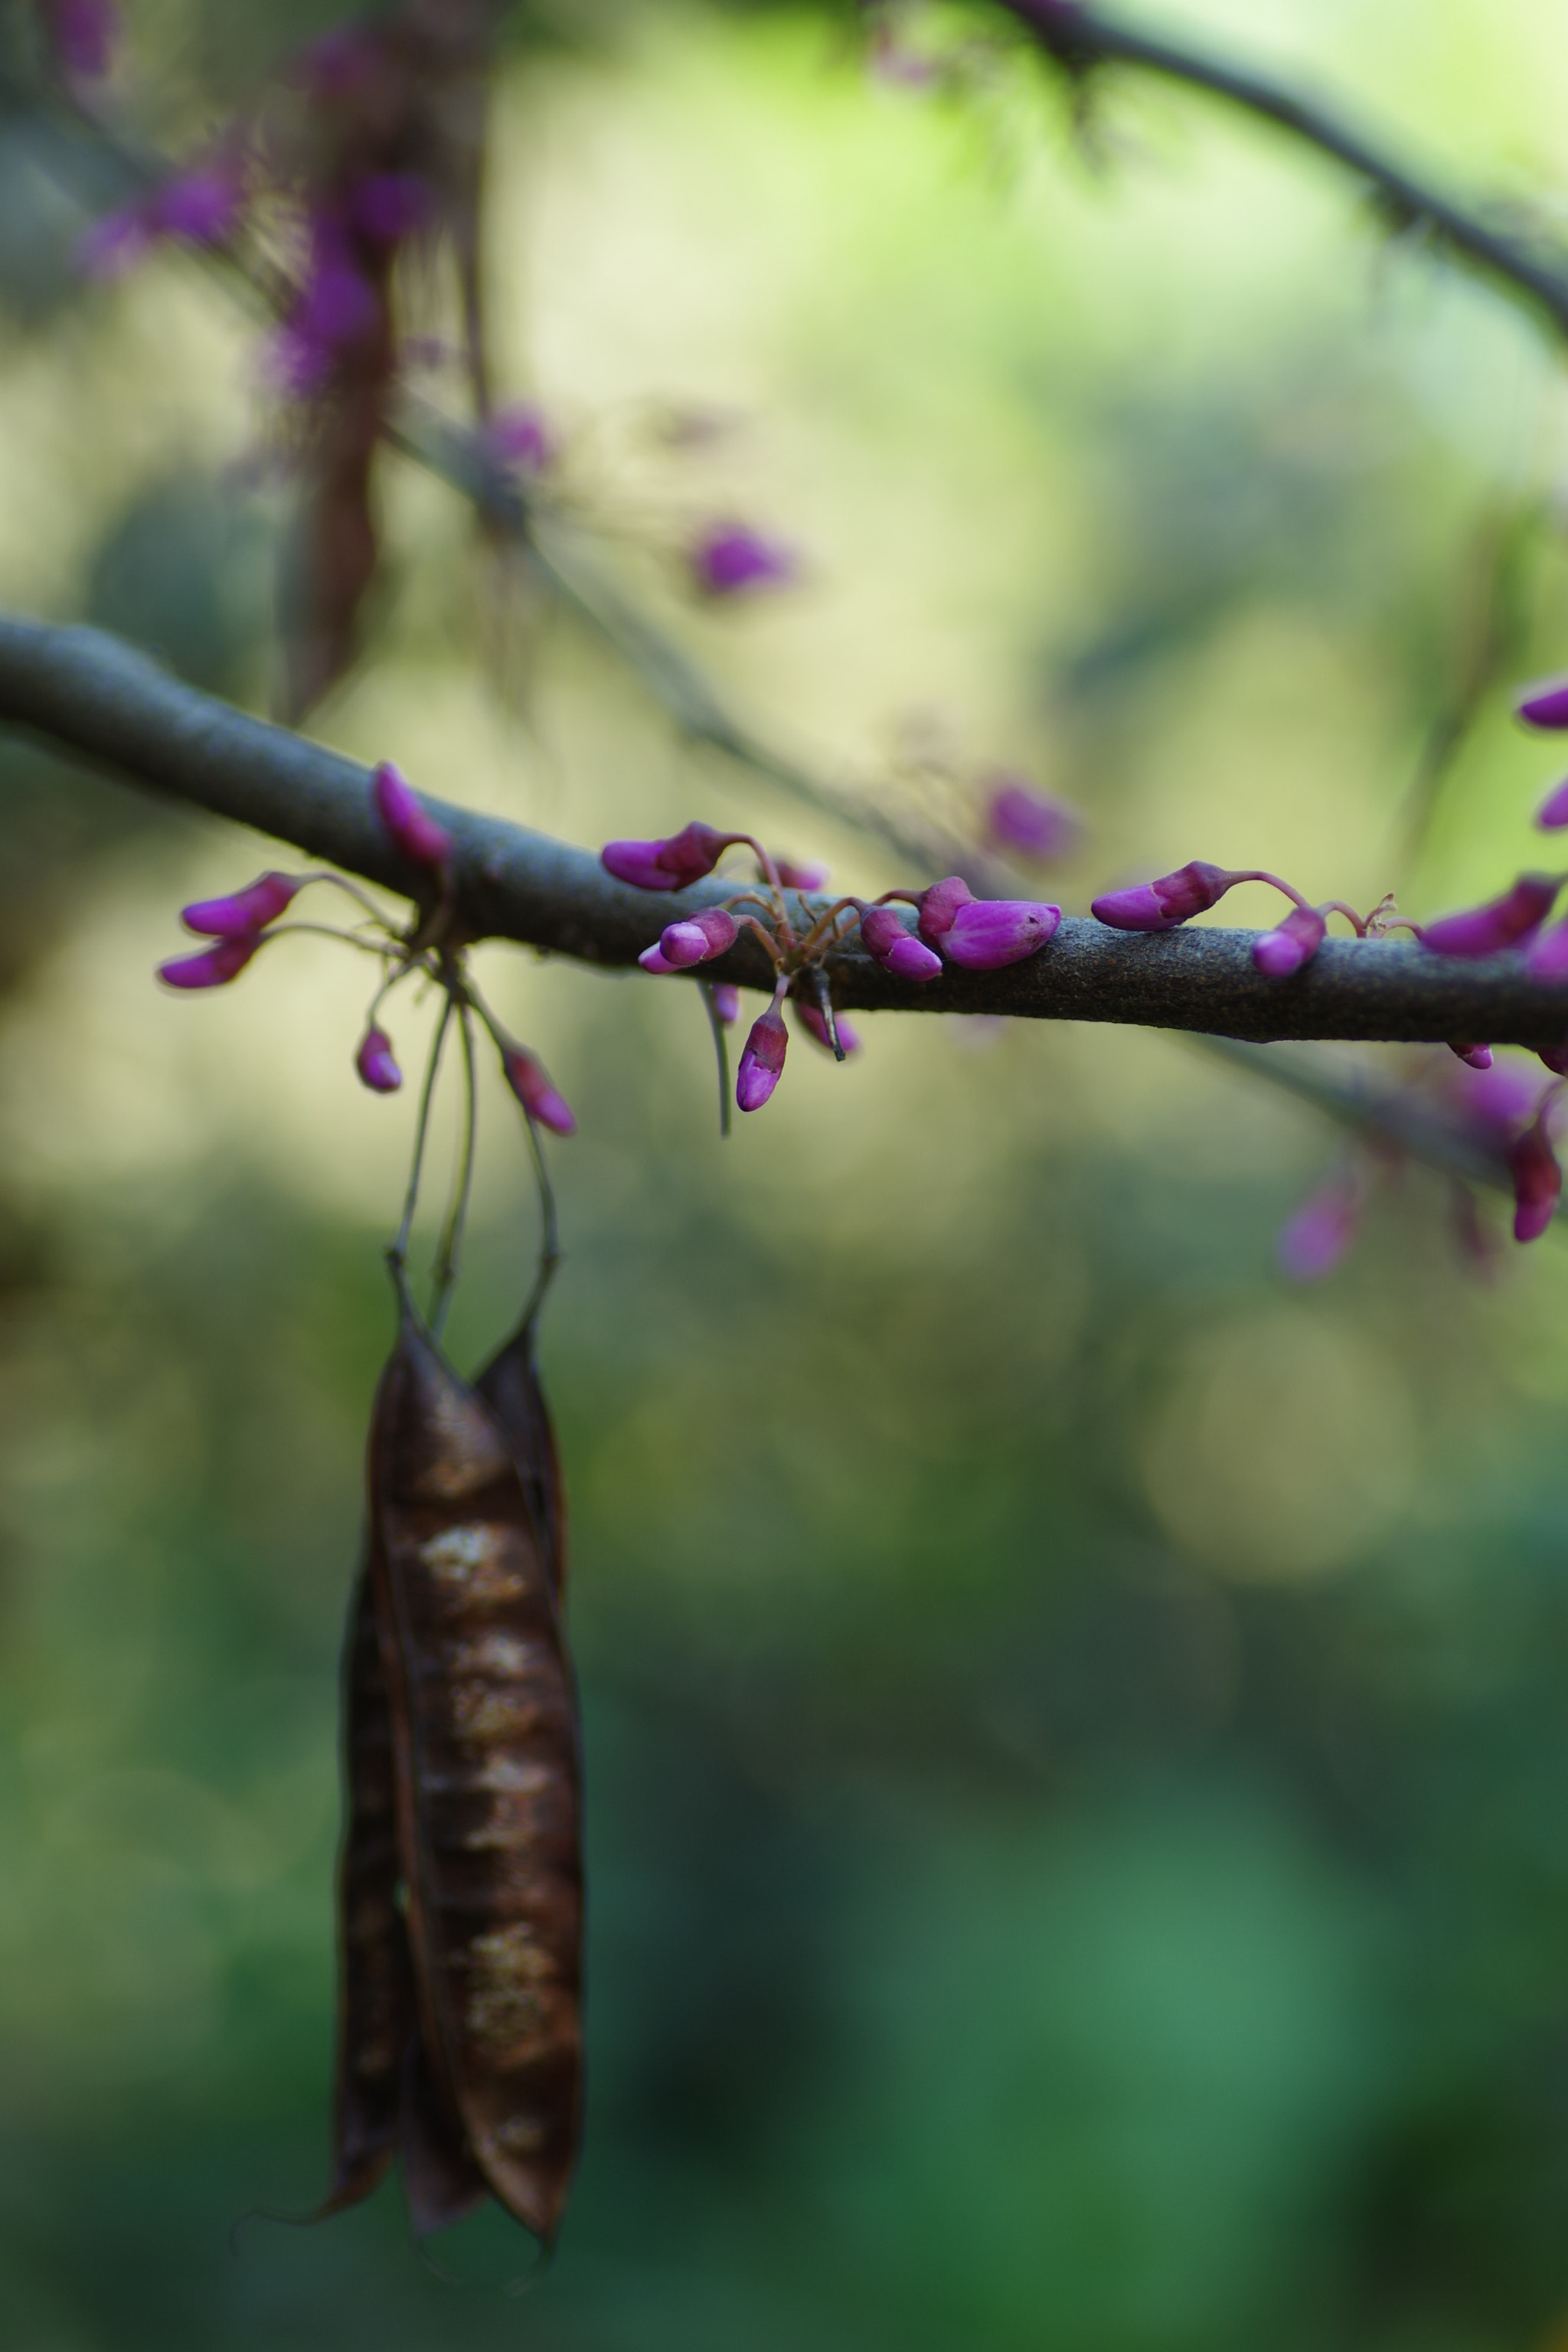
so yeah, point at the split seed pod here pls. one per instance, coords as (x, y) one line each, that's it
(488, 1776)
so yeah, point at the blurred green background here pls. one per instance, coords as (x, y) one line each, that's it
(1077, 1730)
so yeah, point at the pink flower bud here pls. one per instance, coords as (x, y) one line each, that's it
(1321, 1231)
(1544, 705)
(1023, 818)
(534, 1092)
(248, 910)
(729, 558)
(668, 864)
(375, 1063)
(989, 932)
(214, 968)
(938, 905)
(761, 1060)
(1537, 1181)
(1295, 942)
(697, 937)
(1475, 1057)
(815, 1027)
(1502, 923)
(726, 1002)
(896, 950)
(1159, 906)
(653, 960)
(1553, 809)
(800, 877)
(1548, 957)
(418, 837)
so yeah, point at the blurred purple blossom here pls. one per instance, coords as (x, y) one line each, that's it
(375, 1064)
(1502, 923)
(418, 837)
(1315, 1240)
(729, 558)
(810, 1017)
(1545, 704)
(520, 435)
(214, 968)
(533, 1090)
(243, 912)
(1023, 818)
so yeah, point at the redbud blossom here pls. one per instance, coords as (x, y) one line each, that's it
(811, 1020)
(1548, 955)
(668, 864)
(1502, 923)
(1553, 809)
(726, 1002)
(1159, 906)
(800, 877)
(1476, 1057)
(1023, 817)
(1295, 942)
(896, 950)
(418, 837)
(245, 911)
(937, 905)
(761, 1060)
(729, 558)
(216, 965)
(1318, 1236)
(375, 1064)
(1537, 1180)
(699, 937)
(1544, 705)
(519, 436)
(534, 1092)
(986, 933)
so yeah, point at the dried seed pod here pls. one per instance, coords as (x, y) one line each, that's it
(485, 1740)
(510, 1385)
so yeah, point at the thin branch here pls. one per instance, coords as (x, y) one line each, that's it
(89, 694)
(1083, 41)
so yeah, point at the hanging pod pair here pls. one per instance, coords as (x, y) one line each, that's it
(460, 1881)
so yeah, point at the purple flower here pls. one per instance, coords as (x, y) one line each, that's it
(668, 864)
(800, 877)
(1475, 1057)
(1295, 942)
(697, 938)
(1548, 957)
(418, 837)
(201, 205)
(1023, 817)
(375, 1064)
(1555, 1058)
(1497, 1100)
(1544, 705)
(729, 558)
(1159, 906)
(726, 1002)
(82, 34)
(1553, 809)
(533, 1090)
(895, 948)
(811, 1021)
(214, 968)
(1502, 923)
(519, 436)
(244, 912)
(761, 1060)
(989, 932)
(387, 207)
(1321, 1231)
(937, 905)
(1537, 1180)
(336, 307)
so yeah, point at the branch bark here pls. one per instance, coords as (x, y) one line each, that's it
(1083, 41)
(89, 694)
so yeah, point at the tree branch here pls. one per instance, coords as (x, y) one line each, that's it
(1083, 41)
(91, 695)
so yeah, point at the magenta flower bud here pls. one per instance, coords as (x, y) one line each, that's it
(1548, 955)
(418, 837)
(1295, 942)
(1537, 1181)
(200, 205)
(1502, 923)
(1192, 889)
(1555, 1058)
(533, 1090)
(375, 1063)
(519, 436)
(761, 1060)
(1318, 1236)
(811, 1021)
(1553, 809)
(214, 968)
(694, 941)
(1475, 1057)
(729, 558)
(989, 932)
(800, 877)
(248, 910)
(1544, 705)
(938, 905)
(1023, 818)
(726, 1002)
(1136, 910)
(653, 960)
(668, 864)
(896, 950)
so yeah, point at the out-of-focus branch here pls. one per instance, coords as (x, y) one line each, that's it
(89, 694)
(1085, 40)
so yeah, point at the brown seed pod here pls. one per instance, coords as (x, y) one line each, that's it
(485, 1740)
(510, 1385)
